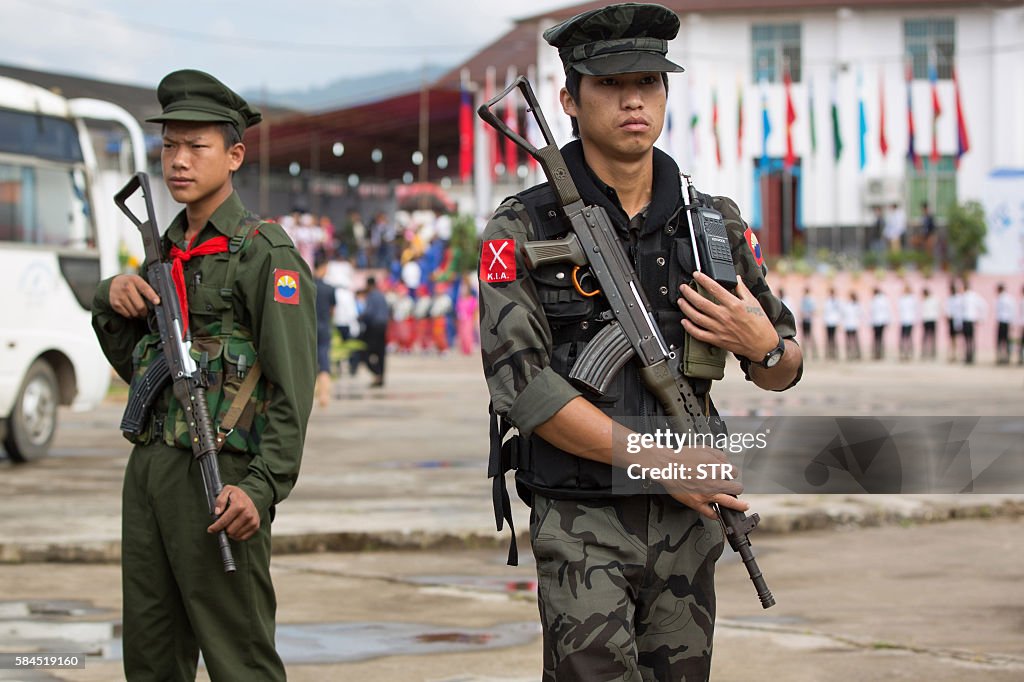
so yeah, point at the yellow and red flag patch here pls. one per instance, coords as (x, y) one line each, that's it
(286, 286)
(755, 246)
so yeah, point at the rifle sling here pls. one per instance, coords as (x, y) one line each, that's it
(231, 417)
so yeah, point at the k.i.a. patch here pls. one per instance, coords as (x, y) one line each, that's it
(498, 261)
(286, 286)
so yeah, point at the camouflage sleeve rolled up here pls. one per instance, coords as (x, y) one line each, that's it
(753, 274)
(515, 339)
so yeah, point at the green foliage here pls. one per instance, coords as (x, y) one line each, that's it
(465, 243)
(966, 230)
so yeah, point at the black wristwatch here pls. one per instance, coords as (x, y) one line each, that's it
(771, 358)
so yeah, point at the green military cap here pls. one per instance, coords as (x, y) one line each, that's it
(624, 38)
(190, 95)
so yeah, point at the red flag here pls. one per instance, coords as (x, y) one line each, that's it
(933, 76)
(883, 143)
(962, 143)
(911, 150)
(493, 154)
(512, 121)
(790, 158)
(739, 124)
(465, 134)
(714, 125)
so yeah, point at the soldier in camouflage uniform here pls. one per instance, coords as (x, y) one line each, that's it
(249, 299)
(625, 582)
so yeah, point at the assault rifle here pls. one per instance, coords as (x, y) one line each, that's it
(633, 333)
(174, 364)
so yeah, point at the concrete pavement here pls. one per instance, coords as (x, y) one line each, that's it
(403, 468)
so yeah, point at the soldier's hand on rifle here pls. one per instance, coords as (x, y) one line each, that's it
(238, 514)
(128, 296)
(695, 492)
(736, 322)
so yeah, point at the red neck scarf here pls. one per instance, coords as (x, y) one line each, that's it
(209, 247)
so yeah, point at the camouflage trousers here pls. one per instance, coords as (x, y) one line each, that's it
(626, 588)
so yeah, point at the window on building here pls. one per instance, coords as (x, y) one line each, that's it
(935, 183)
(930, 41)
(775, 46)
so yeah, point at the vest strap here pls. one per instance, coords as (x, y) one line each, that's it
(503, 458)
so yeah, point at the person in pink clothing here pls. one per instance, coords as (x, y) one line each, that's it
(465, 316)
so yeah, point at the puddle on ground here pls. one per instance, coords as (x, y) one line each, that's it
(339, 642)
(431, 464)
(58, 626)
(502, 584)
(771, 620)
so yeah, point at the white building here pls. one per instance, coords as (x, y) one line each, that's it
(857, 52)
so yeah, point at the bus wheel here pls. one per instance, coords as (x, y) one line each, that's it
(33, 421)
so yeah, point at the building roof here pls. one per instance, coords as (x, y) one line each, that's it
(516, 48)
(719, 6)
(391, 125)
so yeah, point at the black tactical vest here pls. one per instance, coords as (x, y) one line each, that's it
(662, 256)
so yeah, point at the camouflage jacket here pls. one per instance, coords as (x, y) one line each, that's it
(517, 341)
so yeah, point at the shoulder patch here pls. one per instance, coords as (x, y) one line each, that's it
(755, 246)
(274, 234)
(286, 286)
(498, 261)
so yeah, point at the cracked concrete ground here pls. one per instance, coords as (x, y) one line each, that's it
(868, 589)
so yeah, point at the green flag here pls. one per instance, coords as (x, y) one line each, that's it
(810, 109)
(837, 138)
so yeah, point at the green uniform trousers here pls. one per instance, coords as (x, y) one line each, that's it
(626, 588)
(177, 598)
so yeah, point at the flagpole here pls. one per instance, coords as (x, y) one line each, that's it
(787, 174)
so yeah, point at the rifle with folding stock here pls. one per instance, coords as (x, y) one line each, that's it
(175, 363)
(633, 332)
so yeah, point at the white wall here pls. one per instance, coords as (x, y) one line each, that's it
(865, 50)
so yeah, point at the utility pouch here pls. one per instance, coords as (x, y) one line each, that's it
(702, 360)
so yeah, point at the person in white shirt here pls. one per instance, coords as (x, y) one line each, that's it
(807, 309)
(852, 315)
(1004, 316)
(929, 318)
(832, 316)
(880, 312)
(908, 318)
(955, 317)
(974, 310)
(895, 227)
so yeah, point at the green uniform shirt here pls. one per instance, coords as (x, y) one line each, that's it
(284, 335)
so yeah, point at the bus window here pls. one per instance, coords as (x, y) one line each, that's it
(45, 206)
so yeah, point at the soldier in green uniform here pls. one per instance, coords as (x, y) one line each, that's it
(625, 582)
(250, 304)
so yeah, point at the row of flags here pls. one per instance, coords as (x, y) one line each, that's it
(510, 116)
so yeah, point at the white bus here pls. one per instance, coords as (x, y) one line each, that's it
(59, 236)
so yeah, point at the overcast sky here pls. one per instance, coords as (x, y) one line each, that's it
(280, 44)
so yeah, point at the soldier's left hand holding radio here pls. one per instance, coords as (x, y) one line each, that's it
(735, 321)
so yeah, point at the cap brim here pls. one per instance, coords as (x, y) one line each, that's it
(191, 117)
(626, 62)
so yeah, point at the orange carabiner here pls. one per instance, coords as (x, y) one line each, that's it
(576, 283)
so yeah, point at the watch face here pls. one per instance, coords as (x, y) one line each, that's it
(774, 355)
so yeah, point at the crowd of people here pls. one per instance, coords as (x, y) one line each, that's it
(399, 285)
(957, 315)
